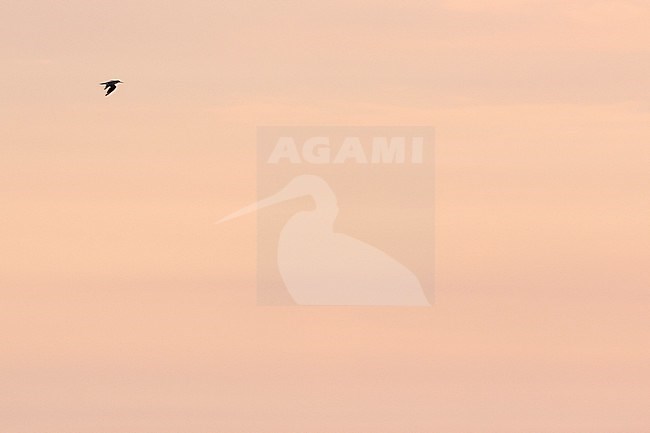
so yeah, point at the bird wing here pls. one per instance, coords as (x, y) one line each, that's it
(111, 88)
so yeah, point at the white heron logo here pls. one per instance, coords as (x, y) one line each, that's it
(322, 267)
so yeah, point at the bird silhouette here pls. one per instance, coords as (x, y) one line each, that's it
(110, 86)
(320, 266)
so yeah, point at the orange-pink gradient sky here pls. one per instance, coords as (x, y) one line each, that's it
(123, 308)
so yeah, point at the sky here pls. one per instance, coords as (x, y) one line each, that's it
(123, 307)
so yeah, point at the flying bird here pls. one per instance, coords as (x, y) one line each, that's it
(110, 86)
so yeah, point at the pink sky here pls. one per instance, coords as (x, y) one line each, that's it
(124, 308)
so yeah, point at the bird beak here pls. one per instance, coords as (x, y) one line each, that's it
(279, 197)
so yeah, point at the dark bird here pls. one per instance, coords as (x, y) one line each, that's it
(110, 86)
